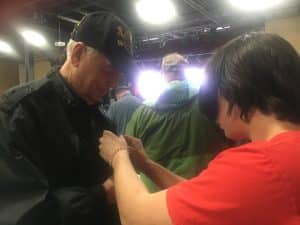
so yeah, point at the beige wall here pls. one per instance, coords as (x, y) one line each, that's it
(41, 68)
(12, 73)
(9, 74)
(288, 28)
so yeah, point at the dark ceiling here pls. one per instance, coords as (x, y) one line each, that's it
(193, 32)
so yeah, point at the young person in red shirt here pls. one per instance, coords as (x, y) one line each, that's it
(253, 89)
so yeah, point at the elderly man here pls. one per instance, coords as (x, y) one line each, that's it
(50, 170)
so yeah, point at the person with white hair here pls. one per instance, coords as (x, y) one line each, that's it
(51, 172)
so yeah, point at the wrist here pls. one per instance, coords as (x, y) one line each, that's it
(146, 165)
(117, 158)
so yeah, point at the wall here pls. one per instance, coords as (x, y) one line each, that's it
(9, 74)
(41, 68)
(12, 73)
(288, 28)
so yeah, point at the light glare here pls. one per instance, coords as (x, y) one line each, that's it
(34, 38)
(156, 11)
(5, 47)
(195, 77)
(151, 85)
(255, 5)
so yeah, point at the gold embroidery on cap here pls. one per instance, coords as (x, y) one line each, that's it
(124, 39)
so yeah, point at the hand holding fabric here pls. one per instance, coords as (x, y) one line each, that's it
(137, 152)
(109, 146)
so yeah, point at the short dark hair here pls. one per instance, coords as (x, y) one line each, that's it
(255, 70)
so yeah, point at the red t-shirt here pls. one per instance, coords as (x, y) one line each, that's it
(255, 184)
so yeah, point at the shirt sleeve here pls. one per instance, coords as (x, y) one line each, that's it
(132, 127)
(236, 188)
(110, 113)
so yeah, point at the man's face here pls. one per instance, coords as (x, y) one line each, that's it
(98, 75)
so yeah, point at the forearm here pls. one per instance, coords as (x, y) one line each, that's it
(130, 191)
(162, 177)
(136, 205)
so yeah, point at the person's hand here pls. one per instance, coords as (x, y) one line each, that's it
(109, 188)
(109, 146)
(137, 152)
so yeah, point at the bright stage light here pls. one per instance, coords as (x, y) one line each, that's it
(150, 85)
(195, 77)
(255, 5)
(6, 47)
(156, 11)
(34, 38)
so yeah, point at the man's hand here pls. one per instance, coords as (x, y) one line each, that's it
(110, 191)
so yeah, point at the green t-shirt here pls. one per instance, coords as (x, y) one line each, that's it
(180, 139)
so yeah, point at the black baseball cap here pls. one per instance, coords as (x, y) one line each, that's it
(108, 34)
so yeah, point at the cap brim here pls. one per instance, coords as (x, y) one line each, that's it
(121, 62)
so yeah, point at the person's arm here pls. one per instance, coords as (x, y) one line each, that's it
(162, 177)
(109, 189)
(136, 205)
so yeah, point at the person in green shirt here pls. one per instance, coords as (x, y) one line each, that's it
(174, 131)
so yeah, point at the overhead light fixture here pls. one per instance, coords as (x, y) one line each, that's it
(59, 43)
(151, 39)
(255, 5)
(156, 11)
(6, 47)
(223, 28)
(34, 38)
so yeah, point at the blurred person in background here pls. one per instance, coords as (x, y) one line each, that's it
(120, 112)
(174, 131)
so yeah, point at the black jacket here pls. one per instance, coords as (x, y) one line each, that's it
(50, 171)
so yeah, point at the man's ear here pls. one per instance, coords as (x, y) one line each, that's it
(77, 53)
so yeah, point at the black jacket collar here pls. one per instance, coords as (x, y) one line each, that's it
(69, 96)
